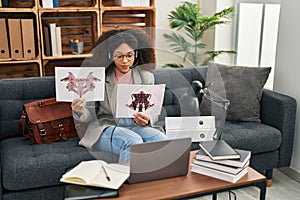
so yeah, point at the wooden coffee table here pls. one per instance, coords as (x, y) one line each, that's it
(192, 185)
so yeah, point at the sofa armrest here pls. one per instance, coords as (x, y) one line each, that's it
(279, 111)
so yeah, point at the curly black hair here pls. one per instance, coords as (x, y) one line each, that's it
(110, 40)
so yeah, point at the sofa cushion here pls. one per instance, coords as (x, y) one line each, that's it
(253, 136)
(26, 165)
(242, 86)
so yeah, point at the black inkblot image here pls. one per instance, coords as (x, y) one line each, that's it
(140, 101)
(80, 85)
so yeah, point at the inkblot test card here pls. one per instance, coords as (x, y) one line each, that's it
(79, 82)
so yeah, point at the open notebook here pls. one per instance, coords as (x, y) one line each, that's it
(96, 173)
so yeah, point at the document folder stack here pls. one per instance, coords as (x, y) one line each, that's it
(28, 38)
(4, 51)
(199, 128)
(15, 38)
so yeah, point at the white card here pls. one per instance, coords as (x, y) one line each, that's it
(80, 82)
(133, 98)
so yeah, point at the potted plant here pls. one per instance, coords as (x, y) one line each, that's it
(187, 17)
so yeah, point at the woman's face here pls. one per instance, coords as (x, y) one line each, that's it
(123, 57)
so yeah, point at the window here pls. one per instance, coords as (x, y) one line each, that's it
(256, 34)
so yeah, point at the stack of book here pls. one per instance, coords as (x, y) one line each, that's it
(217, 159)
(52, 38)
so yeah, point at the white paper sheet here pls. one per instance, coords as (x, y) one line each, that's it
(133, 98)
(80, 82)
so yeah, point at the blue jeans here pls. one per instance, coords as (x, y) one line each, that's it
(118, 139)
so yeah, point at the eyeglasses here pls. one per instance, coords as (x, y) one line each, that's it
(120, 57)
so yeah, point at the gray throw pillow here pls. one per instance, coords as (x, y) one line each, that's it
(242, 86)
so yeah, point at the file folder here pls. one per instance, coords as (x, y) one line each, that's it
(4, 51)
(47, 45)
(28, 38)
(58, 41)
(15, 38)
(53, 42)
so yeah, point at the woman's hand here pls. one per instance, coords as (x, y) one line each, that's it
(78, 105)
(141, 119)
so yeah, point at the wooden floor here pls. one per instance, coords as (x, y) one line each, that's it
(283, 188)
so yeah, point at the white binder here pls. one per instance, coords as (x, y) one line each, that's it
(199, 128)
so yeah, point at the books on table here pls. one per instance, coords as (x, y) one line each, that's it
(221, 167)
(230, 170)
(96, 173)
(244, 157)
(218, 174)
(219, 150)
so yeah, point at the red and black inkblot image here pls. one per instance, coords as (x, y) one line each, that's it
(80, 85)
(140, 101)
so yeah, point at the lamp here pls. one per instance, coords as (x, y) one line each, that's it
(189, 103)
(216, 99)
(191, 124)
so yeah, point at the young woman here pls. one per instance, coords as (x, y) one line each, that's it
(106, 132)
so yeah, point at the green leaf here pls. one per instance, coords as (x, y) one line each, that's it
(187, 17)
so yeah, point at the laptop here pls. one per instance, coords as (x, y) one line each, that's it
(159, 160)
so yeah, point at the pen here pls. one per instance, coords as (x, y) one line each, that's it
(107, 177)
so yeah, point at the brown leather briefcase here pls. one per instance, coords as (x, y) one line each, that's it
(47, 121)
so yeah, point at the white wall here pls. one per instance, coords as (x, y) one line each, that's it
(164, 54)
(223, 34)
(163, 8)
(287, 70)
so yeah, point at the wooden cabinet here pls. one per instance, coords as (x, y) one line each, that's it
(83, 20)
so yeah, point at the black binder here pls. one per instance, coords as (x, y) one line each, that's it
(77, 192)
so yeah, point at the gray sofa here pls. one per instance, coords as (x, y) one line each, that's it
(32, 171)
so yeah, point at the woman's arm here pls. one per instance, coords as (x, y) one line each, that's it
(82, 110)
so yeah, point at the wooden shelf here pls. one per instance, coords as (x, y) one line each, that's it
(20, 69)
(18, 10)
(14, 61)
(64, 9)
(67, 56)
(85, 20)
(22, 4)
(119, 8)
(81, 25)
